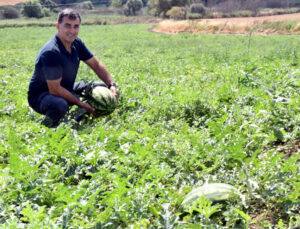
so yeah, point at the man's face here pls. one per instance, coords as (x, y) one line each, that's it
(68, 30)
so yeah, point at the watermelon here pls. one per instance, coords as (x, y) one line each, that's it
(102, 99)
(213, 192)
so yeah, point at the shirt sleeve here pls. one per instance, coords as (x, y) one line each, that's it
(84, 52)
(51, 65)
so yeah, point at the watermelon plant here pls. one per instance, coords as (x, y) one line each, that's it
(194, 109)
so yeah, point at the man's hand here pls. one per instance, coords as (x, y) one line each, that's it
(89, 108)
(115, 92)
(56, 89)
(102, 73)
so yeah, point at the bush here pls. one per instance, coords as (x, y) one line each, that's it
(33, 8)
(179, 2)
(177, 13)
(276, 4)
(198, 8)
(243, 13)
(46, 12)
(87, 5)
(132, 7)
(194, 16)
(254, 5)
(10, 13)
(218, 15)
(270, 12)
(159, 7)
(229, 6)
(49, 4)
(116, 4)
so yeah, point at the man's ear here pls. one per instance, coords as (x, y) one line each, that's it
(57, 25)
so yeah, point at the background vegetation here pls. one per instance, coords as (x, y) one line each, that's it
(193, 109)
(184, 9)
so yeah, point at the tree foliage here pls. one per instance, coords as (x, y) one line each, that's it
(116, 4)
(198, 8)
(132, 7)
(161, 7)
(33, 8)
(86, 5)
(10, 13)
(49, 4)
(177, 13)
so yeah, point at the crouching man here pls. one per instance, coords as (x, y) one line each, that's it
(52, 87)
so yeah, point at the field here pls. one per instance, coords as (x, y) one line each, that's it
(193, 109)
(265, 25)
(10, 2)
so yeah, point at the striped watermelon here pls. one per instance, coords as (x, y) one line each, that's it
(213, 192)
(103, 100)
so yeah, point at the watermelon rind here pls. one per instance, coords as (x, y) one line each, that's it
(103, 100)
(213, 192)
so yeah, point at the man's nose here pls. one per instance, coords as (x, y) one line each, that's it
(73, 29)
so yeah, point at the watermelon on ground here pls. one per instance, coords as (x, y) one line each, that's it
(103, 100)
(213, 192)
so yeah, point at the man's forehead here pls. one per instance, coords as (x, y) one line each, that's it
(70, 21)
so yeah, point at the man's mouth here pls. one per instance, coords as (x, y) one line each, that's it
(71, 36)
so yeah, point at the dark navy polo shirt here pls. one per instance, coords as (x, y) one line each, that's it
(54, 62)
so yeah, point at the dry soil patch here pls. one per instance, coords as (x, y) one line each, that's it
(10, 2)
(228, 25)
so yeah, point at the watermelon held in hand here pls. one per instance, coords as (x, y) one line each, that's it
(214, 192)
(102, 99)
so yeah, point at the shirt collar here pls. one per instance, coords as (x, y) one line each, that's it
(62, 47)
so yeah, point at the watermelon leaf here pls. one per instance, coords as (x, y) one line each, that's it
(205, 207)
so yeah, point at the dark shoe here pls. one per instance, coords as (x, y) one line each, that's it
(81, 114)
(49, 122)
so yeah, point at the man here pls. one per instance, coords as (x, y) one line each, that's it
(52, 86)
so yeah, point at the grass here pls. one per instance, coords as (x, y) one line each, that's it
(281, 26)
(92, 18)
(193, 109)
(276, 11)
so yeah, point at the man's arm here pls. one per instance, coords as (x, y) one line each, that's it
(56, 89)
(102, 73)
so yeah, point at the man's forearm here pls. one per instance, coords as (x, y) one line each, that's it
(64, 93)
(103, 74)
(100, 70)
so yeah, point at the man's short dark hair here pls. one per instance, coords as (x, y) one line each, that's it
(69, 13)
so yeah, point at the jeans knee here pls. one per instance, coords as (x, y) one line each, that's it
(58, 109)
(63, 107)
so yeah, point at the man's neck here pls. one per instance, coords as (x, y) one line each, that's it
(66, 44)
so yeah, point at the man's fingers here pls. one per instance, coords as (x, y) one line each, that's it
(115, 92)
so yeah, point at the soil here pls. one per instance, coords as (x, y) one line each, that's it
(10, 2)
(237, 25)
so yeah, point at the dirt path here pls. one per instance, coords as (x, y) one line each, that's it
(283, 17)
(10, 2)
(262, 25)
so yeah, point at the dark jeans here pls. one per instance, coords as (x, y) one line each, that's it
(53, 106)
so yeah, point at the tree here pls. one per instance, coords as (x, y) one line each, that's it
(32, 8)
(161, 7)
(115, 4)
(132, 6)
(49, 4)
(158, 7)
(10, 12)
(177, 13)
(87, 5)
